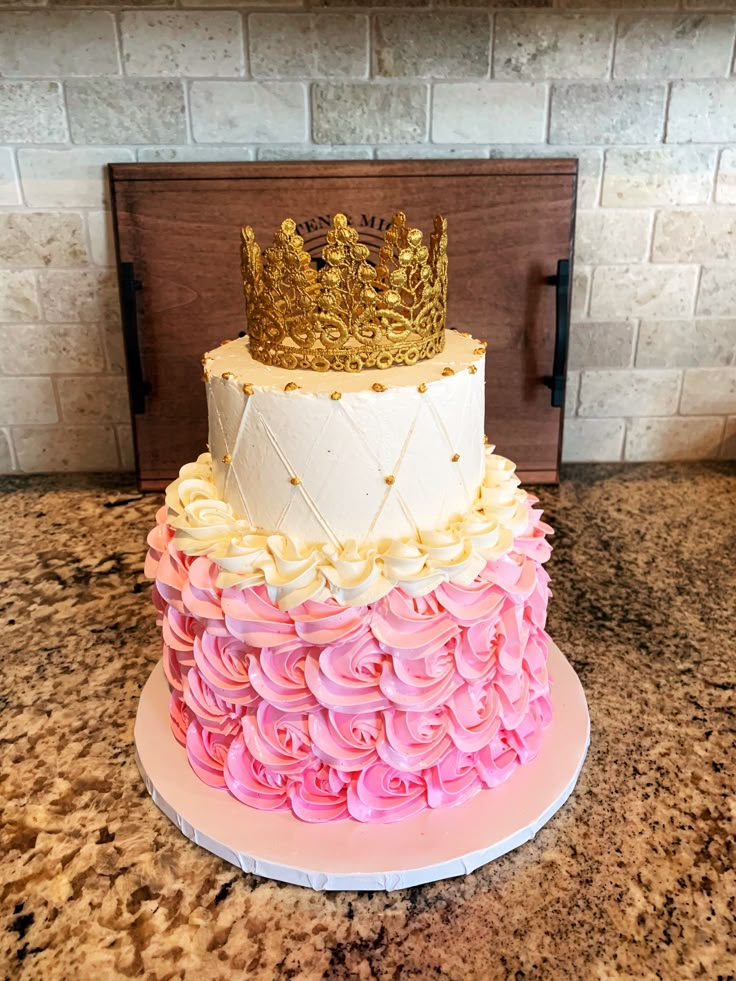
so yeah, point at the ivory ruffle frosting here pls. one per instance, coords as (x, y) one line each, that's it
(354, 574)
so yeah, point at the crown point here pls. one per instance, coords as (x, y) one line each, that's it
(422, 388)
(389, 478)
(288, 226)
(336, 396)
(248, 389)
(291, 387)
(455, 457)
(472, 369)
(227, 459)
(378, 387)
(485, 440)
(294, 481)
(339, 220)
(447, 372)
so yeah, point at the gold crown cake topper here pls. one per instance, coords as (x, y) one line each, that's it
(349, 315)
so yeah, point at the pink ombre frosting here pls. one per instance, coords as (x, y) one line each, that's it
(371, 712)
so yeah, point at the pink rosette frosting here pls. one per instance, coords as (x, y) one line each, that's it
(476, 651)
(223, 663)
(532, 541)
(382, 794)
(172, 669)
(475, 716)
(212, 711)
(321, 794)
(514, 572)
(322, 624)
(347, 741)
(347, 677)
(453, 780)
(179, 717)
(420, 683)
(496, 762)
(179, 632)
(412, 626)
(158, 541)
(513, 697)
(207, 752)
(202, 597)
(414, 740)
(278, 676)
(253, 618)
(251, 782)
(172, 574)
(472, 603)
(279, 739)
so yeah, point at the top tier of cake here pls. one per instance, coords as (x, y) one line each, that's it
(332, 457)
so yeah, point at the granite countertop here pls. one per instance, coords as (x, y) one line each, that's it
(634, 877)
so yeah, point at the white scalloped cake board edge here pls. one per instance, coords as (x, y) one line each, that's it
(436, 844)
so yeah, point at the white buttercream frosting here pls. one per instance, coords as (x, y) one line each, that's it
(354, 573)
(334, 456)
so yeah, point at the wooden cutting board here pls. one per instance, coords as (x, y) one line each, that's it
(510, 223)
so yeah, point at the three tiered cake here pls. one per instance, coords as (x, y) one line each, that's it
(350, 584)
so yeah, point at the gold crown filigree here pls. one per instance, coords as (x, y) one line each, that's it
(349, 315)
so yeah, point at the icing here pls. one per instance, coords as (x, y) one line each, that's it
(354, 575)
(373, 711)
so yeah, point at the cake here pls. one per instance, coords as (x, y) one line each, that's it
(350, 583)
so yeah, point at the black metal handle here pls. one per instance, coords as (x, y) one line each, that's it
(129, 286)
(556, 381)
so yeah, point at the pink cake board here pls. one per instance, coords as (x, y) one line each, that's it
(436, 844)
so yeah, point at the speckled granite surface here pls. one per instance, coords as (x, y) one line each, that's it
(633, 878)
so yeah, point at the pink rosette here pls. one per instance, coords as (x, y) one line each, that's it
(453, 780)
(526, 738)
(171, 576)
(414, 740)
(253, 618)
(411, 626)
(496, 762)
(536, 603)
(321, 795)
(421, 683)
(252, 783)
(207, 753)
(347, 677)
(171, 668)
(158, 540)
(476, 651)
(159, 604)
(280, 740)
(346, 740)
(223, 663)
(474, 712)
(323, 624)
(382, 794)
(532, 541)
(535, 663)
(513, 697)
(201, 595)
(513, 632)
(179, 717)
(179, 632)
(468, 604)
(278, 676)
(213, 712)
(513, 572)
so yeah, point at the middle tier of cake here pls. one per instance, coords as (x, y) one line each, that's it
(335, 457)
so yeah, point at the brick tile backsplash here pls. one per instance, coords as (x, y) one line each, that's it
(642, 92)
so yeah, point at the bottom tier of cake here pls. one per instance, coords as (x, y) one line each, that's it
(372, 712)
